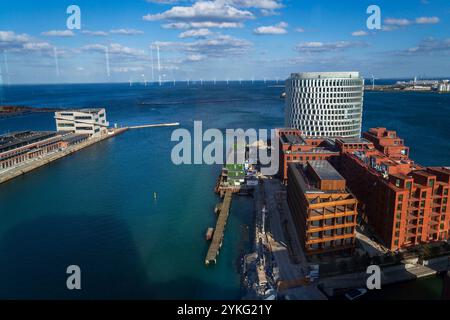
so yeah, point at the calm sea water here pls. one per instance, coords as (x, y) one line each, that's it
(96, 209)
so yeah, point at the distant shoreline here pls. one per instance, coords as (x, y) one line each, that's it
(13, 111)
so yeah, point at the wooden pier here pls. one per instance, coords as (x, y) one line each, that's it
(216, 243)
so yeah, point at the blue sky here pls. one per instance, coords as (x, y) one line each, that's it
(220, 39)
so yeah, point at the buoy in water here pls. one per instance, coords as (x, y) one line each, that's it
(155, 195)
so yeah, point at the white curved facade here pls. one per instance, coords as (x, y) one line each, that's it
(326, 104)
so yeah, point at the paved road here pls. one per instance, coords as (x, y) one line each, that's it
(291, 267)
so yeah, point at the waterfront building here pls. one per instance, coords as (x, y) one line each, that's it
(444, 86)
(296, 148)
(18, 147)
(387, 142)
(404, 203)
(325, 104)
(323, 210)
(82, 121)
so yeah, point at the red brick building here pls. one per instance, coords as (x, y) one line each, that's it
(405, 203)
(387, 142)
(323, 210)
(295, 148)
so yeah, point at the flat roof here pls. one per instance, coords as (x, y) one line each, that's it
(326, 75)
(293, 139)
(86, 110)
(324, 170)
(18, 139)
(353, 140)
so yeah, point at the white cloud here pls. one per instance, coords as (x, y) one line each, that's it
(216, 11)
(427, 20)
(260, 4)
(37, 46)
(359, 33)
(58, 33)
(279, 28)
(126, 32)
(219, 46)
(398, 22)
(321, 47)
(204, 24)
(300, 30)
(428, 46)
(164, 1)
(195, 33)
(195, 58)
(395, 23)
(95, 33)
(126, 69)
(115, 48)
(11, 41)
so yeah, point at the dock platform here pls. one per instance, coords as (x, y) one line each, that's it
(216, 243)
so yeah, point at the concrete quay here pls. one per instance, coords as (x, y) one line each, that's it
(389, 275)
(37, 163)
(277, 265)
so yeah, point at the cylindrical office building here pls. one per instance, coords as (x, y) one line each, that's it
(326, 104)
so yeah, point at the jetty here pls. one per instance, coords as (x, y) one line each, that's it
(37, 163)
(171, 124)
(217, 240)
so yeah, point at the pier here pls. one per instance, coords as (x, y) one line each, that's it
(37, 163)
(172, 124)
(216, 243)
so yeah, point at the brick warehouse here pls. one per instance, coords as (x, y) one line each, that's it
(323, 210)
(405, 204)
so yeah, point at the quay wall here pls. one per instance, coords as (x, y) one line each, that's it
(25, 168)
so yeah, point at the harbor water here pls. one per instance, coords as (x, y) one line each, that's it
(97, 208)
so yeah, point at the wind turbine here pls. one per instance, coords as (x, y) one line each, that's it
(373, 82)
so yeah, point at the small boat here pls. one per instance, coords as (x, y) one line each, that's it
(209, 234)
(355, 293)
(155, 195)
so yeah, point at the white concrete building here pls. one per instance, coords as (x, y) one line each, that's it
(85, 121)
(327, 104)
(444, 86)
